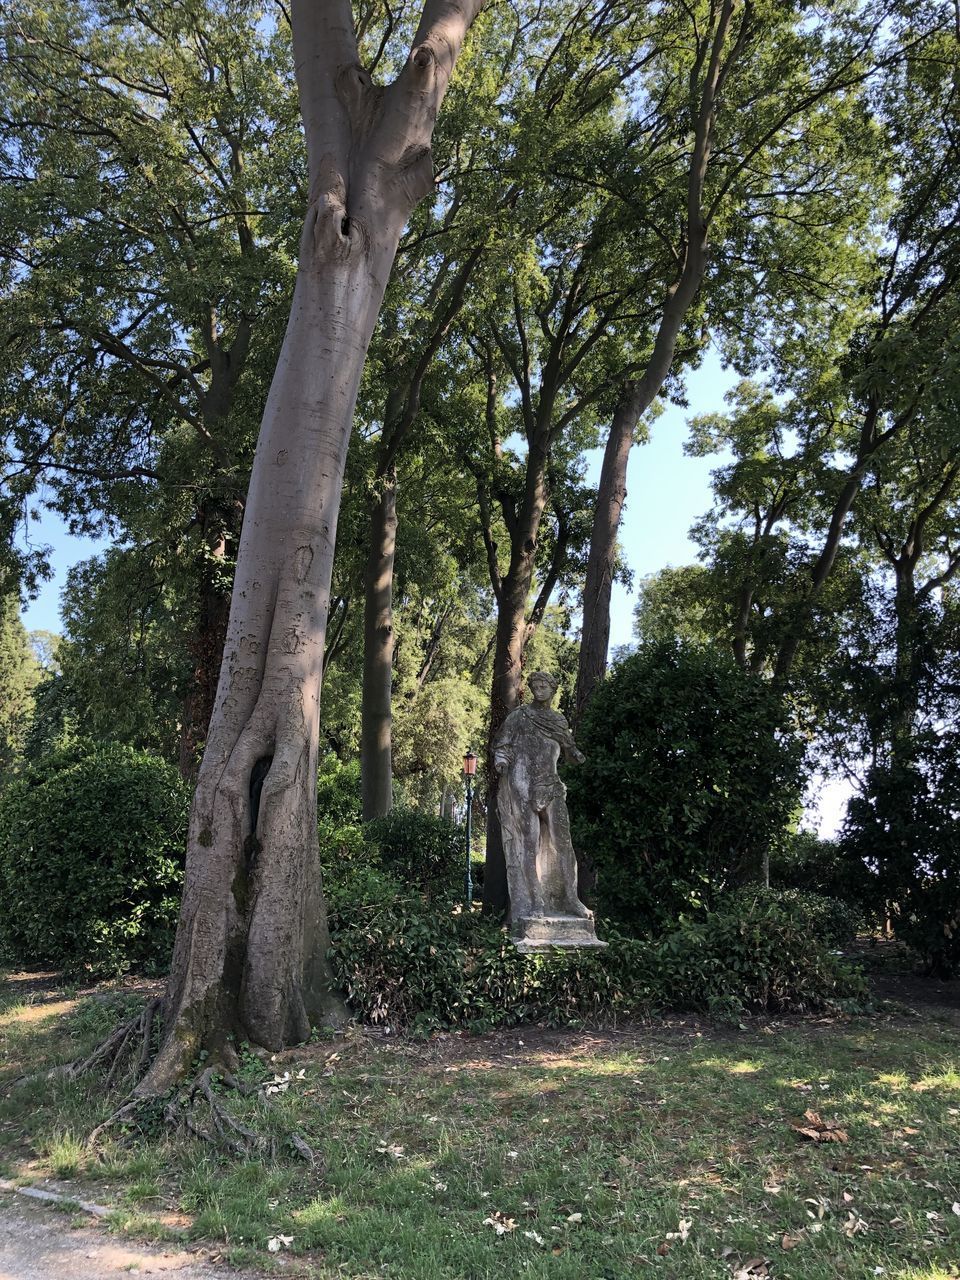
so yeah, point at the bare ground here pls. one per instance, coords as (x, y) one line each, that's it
(39, 1243)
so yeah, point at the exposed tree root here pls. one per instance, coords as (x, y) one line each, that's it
(199, 1110)
(196, 1108)
(110, 1054)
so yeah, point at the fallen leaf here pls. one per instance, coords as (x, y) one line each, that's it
(682, 1232)
(500, 1223)
(276, 1243)
(532, 1235)
(790, 1242)
(755, 1267)
(391, 1150)
(575, 1219)
(955, 1207)
(855, 1225)
(663, 1249)
(815, 1128)
(848, 1197)
(821, 1206)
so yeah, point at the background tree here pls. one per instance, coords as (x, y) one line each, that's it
(152, 166)
(763, 177)
(20, 672)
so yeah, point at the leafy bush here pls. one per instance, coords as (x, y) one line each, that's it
(406, 962)
(754, 953)
(338, 791)
(691, 776)
(419, 849)
(91, 858)
(804, 862)
(905, 825)
(832, 922)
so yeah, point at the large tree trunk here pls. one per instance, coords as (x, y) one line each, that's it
(598, 586)
(378, 643)
(250, 953)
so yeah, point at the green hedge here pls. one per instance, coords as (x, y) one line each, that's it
(420, 849)
(91, 860)
(405, 962)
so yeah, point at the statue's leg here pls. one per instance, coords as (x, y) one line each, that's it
(531, 859)
(564, 869)
(520, 824)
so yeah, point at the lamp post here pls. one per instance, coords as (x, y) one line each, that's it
(469, 769)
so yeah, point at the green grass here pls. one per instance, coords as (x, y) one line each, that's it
(591, 1150)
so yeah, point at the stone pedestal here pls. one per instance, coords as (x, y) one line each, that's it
(542, 933)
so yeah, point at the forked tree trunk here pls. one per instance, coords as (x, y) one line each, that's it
(250, 953)
(378, 644)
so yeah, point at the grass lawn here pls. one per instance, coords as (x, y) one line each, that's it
(663, 1150)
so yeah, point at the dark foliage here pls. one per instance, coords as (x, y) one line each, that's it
(405, 961)
(420, 850)
(906, 825)
(91, 860)
(691, 776)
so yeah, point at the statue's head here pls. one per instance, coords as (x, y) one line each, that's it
(543, 686)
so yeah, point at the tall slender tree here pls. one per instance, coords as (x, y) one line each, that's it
(763, 178)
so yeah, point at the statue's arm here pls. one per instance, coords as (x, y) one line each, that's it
(503, 746)
(571, 752)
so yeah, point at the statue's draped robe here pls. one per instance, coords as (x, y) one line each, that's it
(541, 864)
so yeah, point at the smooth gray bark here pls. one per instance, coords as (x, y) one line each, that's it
(250, 953)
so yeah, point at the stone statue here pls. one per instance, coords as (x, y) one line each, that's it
(531, 802)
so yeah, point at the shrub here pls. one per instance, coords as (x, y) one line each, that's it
(691, 775)
(407, 962)
(905, 824)
(338, 791)
(91, 856)
(421, 850)
(829, 920)
(804, 862)
(754, 953)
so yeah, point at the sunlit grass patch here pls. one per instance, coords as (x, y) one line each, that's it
(590, 1153)
(65, 1154)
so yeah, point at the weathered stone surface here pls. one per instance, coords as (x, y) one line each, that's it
(541, 933)
(532, 804)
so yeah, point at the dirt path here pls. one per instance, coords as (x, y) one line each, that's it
(38, 1243)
